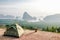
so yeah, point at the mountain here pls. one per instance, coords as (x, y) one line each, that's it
(6, 16)
(26, 16)
(52, 18)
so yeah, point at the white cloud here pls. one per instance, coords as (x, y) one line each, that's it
(34, 8)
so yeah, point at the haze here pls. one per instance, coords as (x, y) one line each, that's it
(38, 8)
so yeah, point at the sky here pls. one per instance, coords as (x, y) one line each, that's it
(38, 8)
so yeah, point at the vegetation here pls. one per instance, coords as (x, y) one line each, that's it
(32, 25)
(52, 29)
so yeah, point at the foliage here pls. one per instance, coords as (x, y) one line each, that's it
(32, 25)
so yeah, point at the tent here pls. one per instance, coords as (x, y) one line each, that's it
(14, 30)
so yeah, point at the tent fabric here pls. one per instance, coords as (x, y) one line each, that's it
(15, 31)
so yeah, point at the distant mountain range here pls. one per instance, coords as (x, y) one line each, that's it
(26, 16)
(6, 16)
(52, 18)
(49, 18)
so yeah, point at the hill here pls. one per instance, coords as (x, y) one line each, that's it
(52, 18)
(26, 16)
(2, 16)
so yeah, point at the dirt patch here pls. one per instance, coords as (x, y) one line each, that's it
(31, 35)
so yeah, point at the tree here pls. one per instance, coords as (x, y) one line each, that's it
(58, 29)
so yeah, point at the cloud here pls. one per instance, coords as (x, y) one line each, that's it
(8, 11)
(34, 7)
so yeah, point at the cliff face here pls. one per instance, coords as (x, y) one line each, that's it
(26, 16)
